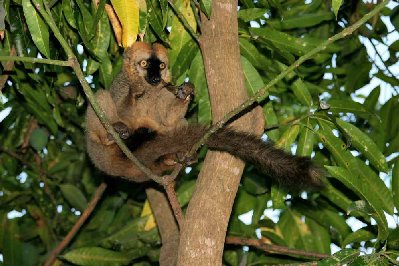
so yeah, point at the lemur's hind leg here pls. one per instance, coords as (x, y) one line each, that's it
(95, 131)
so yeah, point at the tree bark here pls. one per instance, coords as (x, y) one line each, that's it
(167, 226)
(203, 234)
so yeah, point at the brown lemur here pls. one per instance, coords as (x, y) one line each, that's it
(149, 114)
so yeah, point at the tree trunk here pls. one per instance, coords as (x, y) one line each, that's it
(167, 226)
(203, 234)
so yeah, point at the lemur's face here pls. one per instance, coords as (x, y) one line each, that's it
(148, 62)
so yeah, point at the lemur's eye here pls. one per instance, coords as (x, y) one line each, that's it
(162, 65)
(143, 63)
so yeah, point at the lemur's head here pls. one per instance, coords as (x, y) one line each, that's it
(147, 61)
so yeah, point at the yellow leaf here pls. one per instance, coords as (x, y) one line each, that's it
(147, 211)
(128, 15)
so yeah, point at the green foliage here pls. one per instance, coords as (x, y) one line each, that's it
(46, 177)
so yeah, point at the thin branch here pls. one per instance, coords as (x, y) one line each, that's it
(174, 203)
(183, 20)
(378, 54)
(261, 94)
(35, 60)
(259, 244)
(82, 219)
(90, 95)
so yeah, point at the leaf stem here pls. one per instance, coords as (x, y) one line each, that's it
(34, 60)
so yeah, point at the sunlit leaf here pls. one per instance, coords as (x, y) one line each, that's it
(364, 144)
(252, 79)
(37, 28)
(336, 4)
(96, 256)
(128, 15)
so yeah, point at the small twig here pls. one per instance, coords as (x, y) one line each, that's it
(289, 122)
(82, 219)
(9, 65)
(378, 54)
(35, 60)
(174, 202)
(261, 94)
(183, 20)
(259, 244)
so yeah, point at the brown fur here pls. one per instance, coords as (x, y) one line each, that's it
(137, 104)
(151, 120)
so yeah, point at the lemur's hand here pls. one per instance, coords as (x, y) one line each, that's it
(183, 92)
(121, 129)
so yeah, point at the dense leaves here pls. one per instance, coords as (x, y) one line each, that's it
(340, 107)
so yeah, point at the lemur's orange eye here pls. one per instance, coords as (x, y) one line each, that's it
(162, 65)
(143, 63)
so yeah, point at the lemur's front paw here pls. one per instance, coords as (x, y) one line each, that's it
(183, 92)
(121, 129)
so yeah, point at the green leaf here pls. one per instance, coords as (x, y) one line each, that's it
(127, 233)
(324, 216)
(306, 140)
(70, 13)
(97, 17)
(271, 119)
(288, 137)
(369, 181)
(12, 245)
(250, 52)
(340, 258)
(391, 80)
(295, 231)
(184, 59)
(277, 196)
(249, 14)
(197, 77)
(96, 256)
(372, 99)
(206, 7)
(155, 19)
(395, 184)
(320, 235)
(39, 138)
(346, 106)
(74, 196)
(364, 144)
(363, 191)
(143, 18)
(336, 4)
(37, 28)
(179, 36)
(252, 79)
(358, 236)
(100, 42)
(301, 92)
(301, 21)
(185, 191)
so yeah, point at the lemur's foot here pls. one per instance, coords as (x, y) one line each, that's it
(183, 92)
(186, 160)
(121, 129)
(178, 158)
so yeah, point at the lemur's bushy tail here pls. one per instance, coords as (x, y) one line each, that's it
(291, 171)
